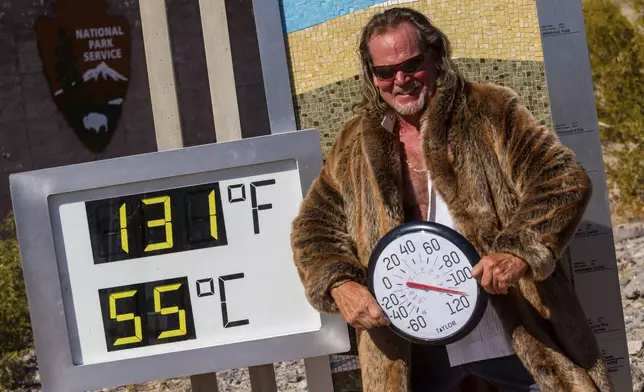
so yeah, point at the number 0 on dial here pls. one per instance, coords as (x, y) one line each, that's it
(421, 275)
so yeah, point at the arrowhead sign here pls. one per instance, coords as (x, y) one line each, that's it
(86, 58)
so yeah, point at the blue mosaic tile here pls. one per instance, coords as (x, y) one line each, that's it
(301, 14)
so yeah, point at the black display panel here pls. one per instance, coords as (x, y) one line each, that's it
(154, 223)
(146, 314)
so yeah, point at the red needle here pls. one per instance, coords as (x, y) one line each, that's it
(415, 285)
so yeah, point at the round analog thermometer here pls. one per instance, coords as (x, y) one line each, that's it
(421, 275)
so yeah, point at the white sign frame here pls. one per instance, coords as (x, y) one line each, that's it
(31, 192)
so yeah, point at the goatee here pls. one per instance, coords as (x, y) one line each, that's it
(410, 108)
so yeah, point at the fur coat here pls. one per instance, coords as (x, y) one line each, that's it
(511, 187)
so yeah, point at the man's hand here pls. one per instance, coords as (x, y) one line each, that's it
(358, 307)
(499, 271)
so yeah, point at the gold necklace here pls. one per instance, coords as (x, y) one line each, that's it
(414, 169)
(402, 130)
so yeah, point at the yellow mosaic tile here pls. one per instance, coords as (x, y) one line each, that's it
(499, 29)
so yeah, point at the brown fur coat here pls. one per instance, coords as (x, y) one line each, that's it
(510, 186)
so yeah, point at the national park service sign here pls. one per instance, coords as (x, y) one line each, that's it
(86, 58)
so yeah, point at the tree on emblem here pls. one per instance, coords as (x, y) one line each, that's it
(68, 74)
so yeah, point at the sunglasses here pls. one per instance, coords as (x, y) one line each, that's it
(409, 66)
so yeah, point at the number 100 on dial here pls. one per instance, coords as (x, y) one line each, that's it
(421, 275)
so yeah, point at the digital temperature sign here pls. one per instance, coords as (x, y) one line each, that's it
(162, 222)
(169, 264)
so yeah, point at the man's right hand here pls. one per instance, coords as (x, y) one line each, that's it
(358, 307)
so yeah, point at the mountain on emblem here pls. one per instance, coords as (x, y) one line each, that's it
(86, 58)
(103, 71)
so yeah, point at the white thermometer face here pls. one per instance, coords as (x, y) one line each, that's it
(423, 282)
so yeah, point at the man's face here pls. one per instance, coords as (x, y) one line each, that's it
(405, 92)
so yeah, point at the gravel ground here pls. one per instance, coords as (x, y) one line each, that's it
(290, 376)
(629, 243)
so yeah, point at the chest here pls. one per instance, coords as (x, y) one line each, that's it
(465, 173)
(414, 172)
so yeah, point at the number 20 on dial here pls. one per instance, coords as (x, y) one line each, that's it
(421, 275)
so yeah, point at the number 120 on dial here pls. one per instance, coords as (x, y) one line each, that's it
(421, 275)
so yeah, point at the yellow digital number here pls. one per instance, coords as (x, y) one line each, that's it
(161, 222)
(168, 311)
(123, 220)
(212, 210)
(138, 336)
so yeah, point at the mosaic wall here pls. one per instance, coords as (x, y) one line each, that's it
(326, 52)
(492, 41)
(326, 108)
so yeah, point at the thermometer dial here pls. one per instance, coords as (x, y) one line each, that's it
(421, 275)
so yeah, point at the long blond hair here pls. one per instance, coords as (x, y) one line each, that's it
(431, 40)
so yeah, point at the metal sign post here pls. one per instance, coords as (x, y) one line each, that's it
(574, 115)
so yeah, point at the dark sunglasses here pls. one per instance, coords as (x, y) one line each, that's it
(409, 66)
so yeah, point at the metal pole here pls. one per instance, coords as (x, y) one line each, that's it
(279, 101)
(223, 94)
(272, 52)
(318, 374)
(221, 76)
(158, 58)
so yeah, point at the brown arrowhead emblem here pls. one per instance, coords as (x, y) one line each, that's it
(86, 58)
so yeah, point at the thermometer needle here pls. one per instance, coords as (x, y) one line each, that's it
(415, 285)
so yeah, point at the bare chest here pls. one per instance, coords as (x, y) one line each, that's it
(416, 195)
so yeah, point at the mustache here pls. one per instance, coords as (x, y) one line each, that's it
(408, 89)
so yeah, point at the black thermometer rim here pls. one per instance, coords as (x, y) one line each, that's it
(459, 241)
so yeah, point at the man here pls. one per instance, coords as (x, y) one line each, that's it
(427, 144)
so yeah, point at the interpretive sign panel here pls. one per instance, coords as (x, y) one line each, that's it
(574, 115)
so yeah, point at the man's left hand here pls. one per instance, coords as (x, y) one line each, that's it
(499, 271)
